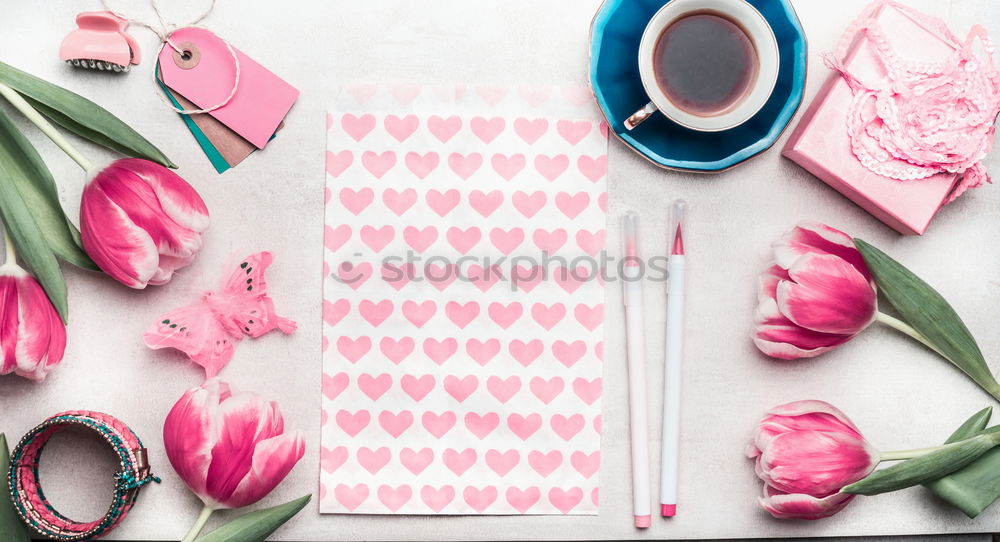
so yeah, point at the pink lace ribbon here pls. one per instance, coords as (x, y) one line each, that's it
(936, 117)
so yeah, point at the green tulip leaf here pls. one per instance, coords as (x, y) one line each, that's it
(926, 311)
(30, 242)
(81, 116)
(256, 526)
(34, 182)
(973, 488)
(11, 526)
(925, 468)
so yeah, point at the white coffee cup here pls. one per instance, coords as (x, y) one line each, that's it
(765, 46)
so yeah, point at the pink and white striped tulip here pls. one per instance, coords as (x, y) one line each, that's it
(817, 295)
(140, 222)
(32, 336)
(229, 447)
(805, 452)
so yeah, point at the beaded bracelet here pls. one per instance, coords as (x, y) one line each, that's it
(26, 491)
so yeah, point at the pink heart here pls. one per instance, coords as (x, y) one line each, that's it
(394, 498)
(374, 460)
(531, 130)
(335, 385)
(492, 95)
(399, 202)
(331, 460)
(569, 353)
(461, 315)
(465, 166)
(577, 95)
(485, 204)
(535, 95)
(502, 463)
(352, 424)
(374, 386)
(401, 128)
(415, 461)
(565, 501)
(574, 132)
(588, 391)
(572, 205)
(419, 313)
(487, 129)
(459, 462)
(422, 166)
(375, 313)
(349, 497)
(595, 493)
(586, 464)
(337, 163)
(420, 239)
(355, 202)
(591, 243)
(529, 205)
(602, 201)
(334, 238)
(395, 350)
(378, 164)
(444, 128)
(505, 315)
(479, 499)
(506, 240)
(551, 167)
(395, 424)
(354, 349)
(354, 275)
(547, 390)
(482, 425)
(526, 278)
(362, 92)
(437, 499)
(440, 351)
(417, 388)
(397, 276)
(481, 278)
(442, 203)
(590, 317)
(525, 352)
(438, 424)
(508, 166)
(377, 239)
(544, 464)
(334, 312)
(481, 351)
(523, 500)
(405, 93)
(548, 317)
(440, 276)
(567, 428)
(357, 127)
(503, 388)
(593, 168)
(599, 350)
(460, 388)
(549, 241)
(524, 426)
(597, 424)
(571, 281)
(463, 240)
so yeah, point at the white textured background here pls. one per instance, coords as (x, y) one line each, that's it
(899, 394)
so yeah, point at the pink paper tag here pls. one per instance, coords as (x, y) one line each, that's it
(206, 78)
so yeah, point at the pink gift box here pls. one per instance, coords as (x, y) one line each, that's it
(820, 142)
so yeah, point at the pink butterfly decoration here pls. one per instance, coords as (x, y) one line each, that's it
(209, 330)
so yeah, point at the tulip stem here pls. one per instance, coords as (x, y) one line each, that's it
(45, 126)
(903, 327)
(900, 455)
(8, 247)
(199, 524)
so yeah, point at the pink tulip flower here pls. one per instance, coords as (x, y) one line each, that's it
(817, 295)
(806, 451)
(140, 222)
(229, 447)
(32, 336)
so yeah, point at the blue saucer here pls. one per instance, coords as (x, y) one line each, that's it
(617, 85)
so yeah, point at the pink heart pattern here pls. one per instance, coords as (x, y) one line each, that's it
(451, 387)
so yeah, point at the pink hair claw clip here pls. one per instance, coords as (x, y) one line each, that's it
(100, 43)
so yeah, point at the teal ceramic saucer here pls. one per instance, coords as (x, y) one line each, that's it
(617, 85)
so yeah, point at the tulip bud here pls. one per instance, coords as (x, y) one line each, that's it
(229, 447)
(140, 222)
(32, 336)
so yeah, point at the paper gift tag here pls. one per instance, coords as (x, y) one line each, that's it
(206, 78)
